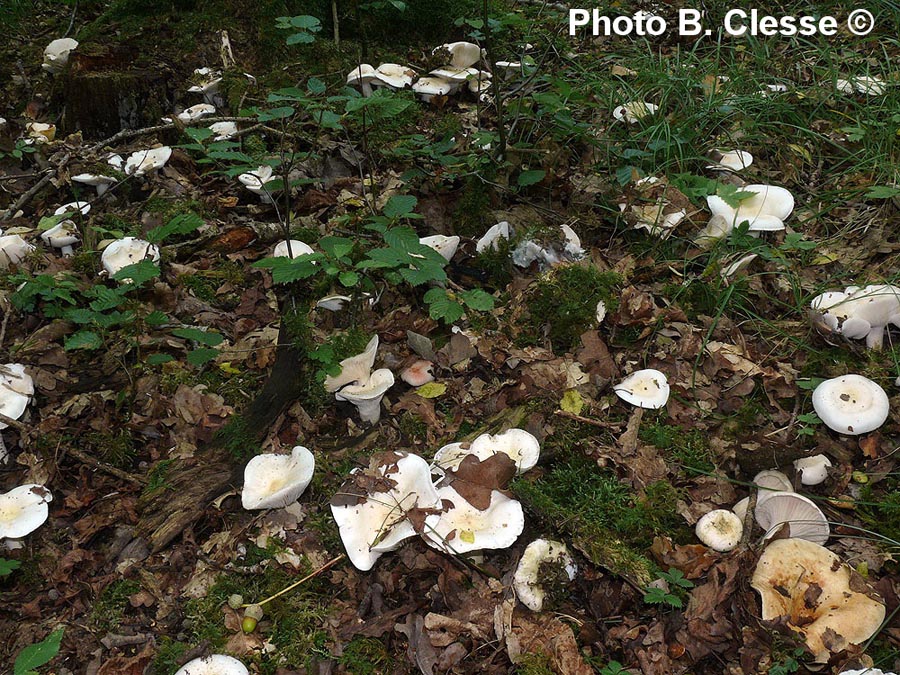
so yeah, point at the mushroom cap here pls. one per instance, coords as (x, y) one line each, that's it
(720, 529)
(40, 132)
(94, 180)
(127, 251)
(23, 510)
(215, 664)
(64, 233)
(646, 388)
(766, 210)
(527, 582)
(426, 87)
(418, 373)
(740, 508)
(371, 509)
(13, 250)
(730, 159)
(813, 470)
(273, 481)
(16, 390)
(600, 312)
(223, 130)
(462, 527)
(83, 207)
(804, 519)
(491, 239)
(394, 75)
(195, 112)
(354, 368)
(519, 445)
(456, 75)
(367, 395)
(333, 303)
(56, 54)
(808, 584)
(364, 72)
(144, 161)
(634, 111)
(771, 481)
(851, 404)
(255, 180)
(298, 248)
(444, 245)
(462, 54)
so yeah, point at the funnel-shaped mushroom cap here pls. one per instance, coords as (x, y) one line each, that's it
(462, 527)
(860, 312)
(101, 183)
(766, 210)
(491, 239)
(808, 585)
(13, 250)
(373, 506)
(127, 251)
(63, 235)
(354, 368)
(274, 481)
(771, 481)
(720, 529)
(730, 159)
(457, 75)
(813, 470)
(216, 664)
(851, 404)
(364, 72)
(23, 510)
(462, 54)
(196, 112)
(803, 517)
(56, 54)
(223, 130)
(73, 207)
(367, 395)
(297, 247)
(333, 303)
(394, 75)
(531, 572)
(255, 181)
(446, 246)
(41, 133)
(428, 87)
(634, 111)
(645, 388)
(832, 306)
(144, 161)
(519, 445)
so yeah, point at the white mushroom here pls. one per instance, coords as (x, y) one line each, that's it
(851, 404)
(644, 388)
(56, 54)
(371, 509)
(418, 373)
(208, 85)
(362, 76)
(528, 251)
(274, 481)
(40, 133)
(858, 313)
(127, 251)
(216, 664)
(462, 54)
(99, 182)
(769, 482)
(634, 111)
(393, 75)
(734, 160)
(804, 519)
(13, 250)
(63, 235)
(144, 161)
(223, 130)
(462, 527)
(446, 246)
(540, 557)
(490, 241)
(354, 369)
(16, 391)
(600, 312)
(720, 529)
(367, 395)
(333, 303)
(427, 88)
(292, 248)
(73, 207)
(23, 510)
(766, 210)
(813, 470)
(195, 112)
(255, 181)
(519, 445)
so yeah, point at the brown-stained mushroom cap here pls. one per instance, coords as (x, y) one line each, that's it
(821, 598)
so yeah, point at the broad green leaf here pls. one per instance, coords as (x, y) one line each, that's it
(883, 192)
(156, 318)
(7, 567)
(138, 273)
(209, 338)
(336, 247)
(732, 195)
(39, 654)
(348, 279)
(275, 114)
(159, 359)
(432, 390)
(441, 306)
(400, 206)
(183, 223)
(198, 133)
(572, 402)
(83, 339)
(315, 86)
(477, 299)
(199, 357)
(527, 178)
(300, 39)
(403, 238)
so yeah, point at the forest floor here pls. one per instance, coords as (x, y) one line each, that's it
(152, 396)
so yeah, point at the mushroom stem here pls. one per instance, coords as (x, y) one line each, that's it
(366, 89)
(66, 251)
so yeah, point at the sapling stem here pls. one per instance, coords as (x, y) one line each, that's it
(294, 585)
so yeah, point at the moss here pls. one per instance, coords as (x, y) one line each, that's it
(109, 607)
(470, 219)
(563, 303)
(115, 448)
(537, 663)
(366, 656)
(156, 479)
(237, 438)
(689, 448)
(168, 657)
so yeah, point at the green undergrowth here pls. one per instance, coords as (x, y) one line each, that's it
(686, 448)
(109, 607)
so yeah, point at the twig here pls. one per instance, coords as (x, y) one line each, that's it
(294, 585)
(588, 420)
(27, 197)
(113, 471)
(10, 422)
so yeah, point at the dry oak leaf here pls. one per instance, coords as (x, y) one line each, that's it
(542, 634)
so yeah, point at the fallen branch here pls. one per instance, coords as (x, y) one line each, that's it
(37, 187)
(84, 458)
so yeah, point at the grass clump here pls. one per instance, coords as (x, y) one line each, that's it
(563, 303)
(109, 607)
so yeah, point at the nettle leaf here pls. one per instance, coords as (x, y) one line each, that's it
(442, 307)
(39, 654)
(199, 357)
(138, 273)
(275, 114)
(209, 338)
(287, 94)
(422, 274)
(198, 133)
(477, 299)
(532, 177)
(183, 223)
(286, 271)
(7, 567)
(315, 86)
(400, 206)
(105, 298)
(733, 195)
(348, 279)
(156, 318)
(336, 247)
(159, 359)
(402, 238)
(80, 315)
(83, 339)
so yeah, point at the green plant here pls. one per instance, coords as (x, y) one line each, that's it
(671, 591)
(7, 567)
(791, 664)
(34, 656)
(614, 668)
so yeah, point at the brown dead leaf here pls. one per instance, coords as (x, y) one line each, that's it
(544, 634)
(420, 651)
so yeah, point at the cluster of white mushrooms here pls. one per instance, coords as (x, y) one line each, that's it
(858, 313)
(566, 248)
